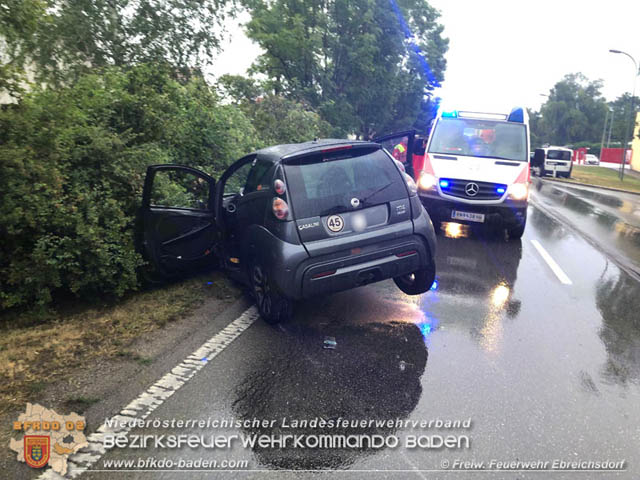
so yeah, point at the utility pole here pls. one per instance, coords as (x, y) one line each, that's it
(626, 127)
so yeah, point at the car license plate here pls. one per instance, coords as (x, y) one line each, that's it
(469, 216)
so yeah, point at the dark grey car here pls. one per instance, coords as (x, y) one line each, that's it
(292, 221)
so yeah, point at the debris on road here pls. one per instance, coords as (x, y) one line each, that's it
(330, 343)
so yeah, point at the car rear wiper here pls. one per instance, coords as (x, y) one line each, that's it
(375, 192)
(332, 210)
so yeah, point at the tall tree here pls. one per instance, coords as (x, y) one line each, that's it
(574, 111)
(58, 38)
(20, 23)
(621, 107)
(366, 65)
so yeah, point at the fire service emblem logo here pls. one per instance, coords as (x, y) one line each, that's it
(36, 450)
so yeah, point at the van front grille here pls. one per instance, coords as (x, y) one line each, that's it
(472, 189)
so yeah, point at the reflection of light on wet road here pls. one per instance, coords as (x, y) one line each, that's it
(455, 230)
(491, 332)
(499, 295)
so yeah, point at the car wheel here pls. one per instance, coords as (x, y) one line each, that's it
(272, 305)
(417, 282)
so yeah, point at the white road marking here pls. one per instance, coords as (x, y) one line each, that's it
(552, 263)
(147, 402)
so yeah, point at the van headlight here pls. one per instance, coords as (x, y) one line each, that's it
(518, 191)
(427, 181)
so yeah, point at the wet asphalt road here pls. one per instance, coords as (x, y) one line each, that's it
(544, 370)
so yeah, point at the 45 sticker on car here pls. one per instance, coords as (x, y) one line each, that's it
(335, 223)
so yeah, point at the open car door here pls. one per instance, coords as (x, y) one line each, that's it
(178, 233)
(401, 145)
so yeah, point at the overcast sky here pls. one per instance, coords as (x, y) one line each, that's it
(508, 52)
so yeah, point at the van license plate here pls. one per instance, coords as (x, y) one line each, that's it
(469, 216)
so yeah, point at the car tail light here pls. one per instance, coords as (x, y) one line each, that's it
(279, 186)
(411, 185)
(280, 208)
(335, 149)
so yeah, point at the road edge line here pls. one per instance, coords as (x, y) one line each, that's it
(143, 405)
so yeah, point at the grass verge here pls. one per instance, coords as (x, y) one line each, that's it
(34, 353)
(603, 177)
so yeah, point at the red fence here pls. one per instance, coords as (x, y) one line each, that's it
(614, 155)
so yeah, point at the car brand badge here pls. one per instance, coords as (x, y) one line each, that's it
(471, 189)
(335, 223)
(355, 202)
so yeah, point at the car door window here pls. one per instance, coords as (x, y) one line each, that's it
(257, 179)
(236, 183)
(179, 189)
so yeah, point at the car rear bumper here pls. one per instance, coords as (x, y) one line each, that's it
(340, 271)
(508, 214)
(549, 166)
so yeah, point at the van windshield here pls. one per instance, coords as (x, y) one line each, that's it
(324, 184)
(480, 138)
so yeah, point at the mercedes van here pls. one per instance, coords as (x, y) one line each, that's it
(475, 169)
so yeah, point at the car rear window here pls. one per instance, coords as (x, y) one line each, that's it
(559, 155)
(323, 184)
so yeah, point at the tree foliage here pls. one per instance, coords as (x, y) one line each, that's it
(622, 121)
(574, 111)
(276, 118)
(73, 163)
(352, 61)
(61, 39)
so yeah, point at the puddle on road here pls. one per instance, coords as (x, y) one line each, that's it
(374, 373)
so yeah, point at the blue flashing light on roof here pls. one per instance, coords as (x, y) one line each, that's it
(452, 114)
(516, 115)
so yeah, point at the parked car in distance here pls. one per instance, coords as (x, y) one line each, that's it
(292, 222)
(591, 159)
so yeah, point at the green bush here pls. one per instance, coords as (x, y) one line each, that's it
(73, 162)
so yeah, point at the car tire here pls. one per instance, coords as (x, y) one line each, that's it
(272, 305)
(417, 282)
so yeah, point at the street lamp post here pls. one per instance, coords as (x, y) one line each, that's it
(626, 128)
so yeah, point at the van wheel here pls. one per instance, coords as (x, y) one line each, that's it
(516, 233)
(272, 305)
(417, 282)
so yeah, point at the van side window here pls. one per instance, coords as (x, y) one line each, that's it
(257, 179)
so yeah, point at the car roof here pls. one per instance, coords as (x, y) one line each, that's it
(276, 153)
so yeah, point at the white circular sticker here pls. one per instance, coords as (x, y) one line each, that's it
(335, 223)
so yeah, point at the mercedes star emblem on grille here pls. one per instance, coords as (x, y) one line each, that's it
(471, 189)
